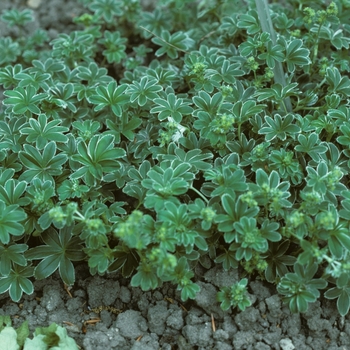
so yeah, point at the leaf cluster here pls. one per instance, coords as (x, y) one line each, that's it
(150, 142)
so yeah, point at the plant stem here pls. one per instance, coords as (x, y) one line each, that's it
(283, 102)
(200, 194)
(266, 25)
(316, 45)
(219, 107)
(239, 133)
(306, 108)
(79, 216)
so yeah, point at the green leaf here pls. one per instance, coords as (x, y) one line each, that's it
(114, 44)
(54, 337)
(171, 107)
(209, 104)
(11, 254)
(98, 157)
(87, 129)
(249, 236)
(133, 188)
(23, 100)
(94, 74)
(78, 45)
(59, 251)
(10, 50)
(22, 333)
(244, 110)
(195, 157)
(37, 80)
(40, 193)
(43, 165)
(99, 259)
(282, 22)
(110, 96)
(337, 83)
(107, 9)
(144, 90)
(176, 217)
(146, 278)
(15, 17)
(71, 189)
(10, 132)
(228, 260)
(278, 92)
(277, 260)
(10, 218)
(17, 282)
(8, 339)
(225, 73)
(125, 259)
(250, 22)
(300, 288)
(269, 229)
(11, 192)
(62, 97)
(226, 181)
(7, 75)
(296, 54)
(172, 43)
(235, 210)
(311, 145)
(42, 132)
(164, 184)
(189, 291)
(234, 296)
(278, 127)
(123, 126)
(273, 53)
(343, 303)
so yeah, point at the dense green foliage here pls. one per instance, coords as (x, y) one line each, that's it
(201, 132)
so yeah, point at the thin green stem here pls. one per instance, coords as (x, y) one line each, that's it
(138, 206)
(79, 216)
(314, 57)
(239, 133)
(221, 102)
(284, 106)
(200, 194)
(305, 108)
(321, 83)
(254, 74)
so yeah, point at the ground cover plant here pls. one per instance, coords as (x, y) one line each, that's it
(196, 132)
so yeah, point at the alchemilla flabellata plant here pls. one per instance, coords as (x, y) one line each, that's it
(150, 140)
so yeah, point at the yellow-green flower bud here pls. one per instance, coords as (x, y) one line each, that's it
(332, 9)
(309, 15)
